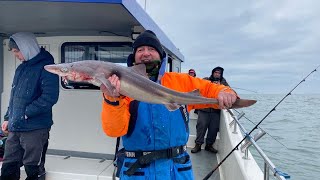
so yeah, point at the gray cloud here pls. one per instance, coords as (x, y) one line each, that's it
(268, 46)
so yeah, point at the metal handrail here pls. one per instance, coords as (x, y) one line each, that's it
(268, 165)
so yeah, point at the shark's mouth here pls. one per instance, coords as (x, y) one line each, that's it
(76, 77)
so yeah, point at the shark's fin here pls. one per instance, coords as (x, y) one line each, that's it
(140, 69)
(172, 106)
(109, 88)
(195, 92)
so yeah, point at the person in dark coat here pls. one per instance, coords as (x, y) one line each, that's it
(29, 116)
(217, 76)
(209, 118)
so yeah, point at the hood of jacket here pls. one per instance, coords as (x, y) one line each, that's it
(211, 78)
(43, 57)
(27, 44)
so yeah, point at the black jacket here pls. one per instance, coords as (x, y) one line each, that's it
(220, 80)
(34, 92)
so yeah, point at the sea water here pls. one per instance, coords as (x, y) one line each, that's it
(296, 124)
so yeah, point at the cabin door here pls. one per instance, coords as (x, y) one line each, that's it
(1, 76)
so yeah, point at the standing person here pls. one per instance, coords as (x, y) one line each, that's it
(192, 72)
(29, 116)
(155, 138)
(209, 118)
(217, 76)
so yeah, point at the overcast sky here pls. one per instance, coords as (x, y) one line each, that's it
(264, 46)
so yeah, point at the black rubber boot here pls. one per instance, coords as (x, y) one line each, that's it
(210, 149)
(10, 171)
(196, 148)
(32, 172)
(42, 176)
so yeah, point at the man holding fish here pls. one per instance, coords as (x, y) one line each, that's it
(146, 106)
(152, 129)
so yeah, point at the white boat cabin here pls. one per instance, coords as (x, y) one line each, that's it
(71, 31)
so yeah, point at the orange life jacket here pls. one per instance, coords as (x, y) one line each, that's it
(115, 116)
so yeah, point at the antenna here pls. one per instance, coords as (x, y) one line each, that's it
(145, 5)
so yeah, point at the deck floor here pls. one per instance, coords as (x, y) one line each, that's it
(85, 169)
(78, 168)
(202, 162)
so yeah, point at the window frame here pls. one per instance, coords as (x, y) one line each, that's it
(86, 86)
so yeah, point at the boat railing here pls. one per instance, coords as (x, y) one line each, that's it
(252, 141)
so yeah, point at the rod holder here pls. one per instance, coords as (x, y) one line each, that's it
(256, 137)
(239, 117)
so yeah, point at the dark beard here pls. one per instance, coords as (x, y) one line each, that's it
(152, 69)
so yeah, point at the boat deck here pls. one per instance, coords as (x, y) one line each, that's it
(75, 168)
(58, 167)
(202, 162)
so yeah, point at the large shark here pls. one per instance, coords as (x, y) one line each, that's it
(134, 83)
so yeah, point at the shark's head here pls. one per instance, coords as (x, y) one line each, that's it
(62, 70)
(70, 71)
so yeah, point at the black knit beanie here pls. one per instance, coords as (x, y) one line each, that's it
(217, 69)
(148, 38)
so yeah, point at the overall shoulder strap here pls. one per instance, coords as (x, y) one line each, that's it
(117, 148)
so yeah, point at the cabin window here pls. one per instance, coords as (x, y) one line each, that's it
(169, 64)
(116, 52)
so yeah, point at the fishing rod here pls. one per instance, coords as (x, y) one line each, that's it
(244, 89)
(264, 131)
(256, 126)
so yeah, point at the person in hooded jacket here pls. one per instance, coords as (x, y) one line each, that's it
(209, 118)
(217, 76)
(155, 138)
(29, 116)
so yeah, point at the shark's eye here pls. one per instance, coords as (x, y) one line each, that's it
(64, 69)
